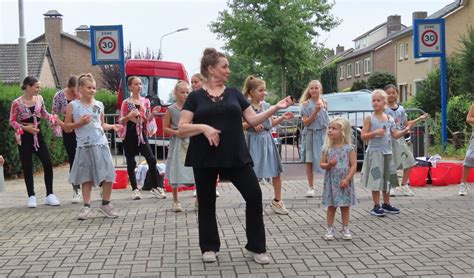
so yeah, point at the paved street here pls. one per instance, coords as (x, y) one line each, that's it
(433, 236)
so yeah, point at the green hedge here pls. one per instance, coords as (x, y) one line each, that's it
(8, 146)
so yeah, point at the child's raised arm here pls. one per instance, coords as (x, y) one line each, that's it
(324, 163)
(366, 134)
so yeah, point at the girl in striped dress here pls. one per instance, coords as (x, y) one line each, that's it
(315, 119)
(262, 148)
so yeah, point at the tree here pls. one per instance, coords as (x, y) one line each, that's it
(466, 57)
(378, 80)
(359, 85)
(275, 33)
(329, 78)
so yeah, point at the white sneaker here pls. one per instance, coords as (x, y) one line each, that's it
(158, 193)
(209, 257)
(392, 192)
(463, 188)
(32, 202)
(406, 190)
(136, 195)
(346, 233)
(194, 193)
(310, 193)
(84, 213)
(260, 258)
(217, 193)
(329, 234)
(51, 200)
(177, 207)
(76, 197)
(279, 207)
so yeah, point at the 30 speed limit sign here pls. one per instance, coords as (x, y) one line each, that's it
(106, 44)
(428, 37)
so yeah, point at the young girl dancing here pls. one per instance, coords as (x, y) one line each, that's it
(315, 120)
(378, 168)
(262, 148)
(93, 164)
(25, 115)
(339, 160)
(176, 173)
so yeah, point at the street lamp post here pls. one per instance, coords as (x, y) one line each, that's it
(160, 52)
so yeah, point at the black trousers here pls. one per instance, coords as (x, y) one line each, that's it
(70, 144)
(26, 151)
(131, 149)
(245, 180)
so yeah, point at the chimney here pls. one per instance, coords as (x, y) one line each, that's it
(419, 15)
(394, 24)
(53, 27)
(339, 49)
(83, 33)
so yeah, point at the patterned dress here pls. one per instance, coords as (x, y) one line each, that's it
(333, 194)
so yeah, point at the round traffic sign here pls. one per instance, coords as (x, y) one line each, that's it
(107, 45)
(429, 38)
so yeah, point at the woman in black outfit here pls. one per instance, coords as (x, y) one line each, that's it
(212, 117)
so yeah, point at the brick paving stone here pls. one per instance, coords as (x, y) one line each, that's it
(432, 236)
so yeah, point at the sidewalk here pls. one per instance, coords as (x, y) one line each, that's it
(434, 235)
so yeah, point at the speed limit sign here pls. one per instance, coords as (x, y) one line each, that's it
(106, 44)
(428, 37)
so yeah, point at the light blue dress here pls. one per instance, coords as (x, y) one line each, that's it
(262, 148)
(313, 135)
(333, 194)
(401, 153)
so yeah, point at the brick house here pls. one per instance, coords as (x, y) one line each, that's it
(373, 52)
(40, 64)
(410, 72)
(71, 54)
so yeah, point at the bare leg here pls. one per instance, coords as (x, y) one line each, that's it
(106, 191)
(331, 213)
(406, 175)
(465, 174)
(309, 174)
(175, 195)
(376, 197)
(86, 192)
(345, 212)
(276, 181)
(386, 197)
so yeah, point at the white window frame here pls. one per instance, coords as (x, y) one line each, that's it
(367, 66)
(400, 52)
(341, 72)
(349, 70)
(357, 68)
(406, 50)
(414, 85)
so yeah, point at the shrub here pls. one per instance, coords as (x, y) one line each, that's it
(457, 109)
(378, 80)
(359, 85)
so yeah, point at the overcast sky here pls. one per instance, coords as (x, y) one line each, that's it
(145, 21)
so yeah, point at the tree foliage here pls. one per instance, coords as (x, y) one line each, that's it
(378, 80)
(466, 57)
(276, 34)
(329, 78)
(359, 85)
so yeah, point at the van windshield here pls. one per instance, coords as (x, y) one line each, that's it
(156, 87)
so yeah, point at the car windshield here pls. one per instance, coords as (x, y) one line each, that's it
(161, 87)
(350, 101)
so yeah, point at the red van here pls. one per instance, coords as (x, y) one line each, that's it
(158, 79)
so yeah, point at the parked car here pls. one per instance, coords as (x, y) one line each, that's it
(289, 131)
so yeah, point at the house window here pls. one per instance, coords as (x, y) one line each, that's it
(417, 85)
(406, 51)
(349, 70)
(400, 52)
(341, 72)
(367, 66)
(357, 68)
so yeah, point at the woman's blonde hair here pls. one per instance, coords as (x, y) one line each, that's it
(199, 76)
(305, 96)
(180, 84)
(346, 133)
(251, 83)
(85, 77)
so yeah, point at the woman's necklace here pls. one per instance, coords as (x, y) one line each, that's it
(218, 95)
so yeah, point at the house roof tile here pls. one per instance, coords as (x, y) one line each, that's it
(9, 65)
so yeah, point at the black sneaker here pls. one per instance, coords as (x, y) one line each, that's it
(377, 211)
(390, 209)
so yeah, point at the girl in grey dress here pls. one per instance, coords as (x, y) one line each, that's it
(469, 158)
(93, 164)
(262, 148)
(176, 172)
(401, 152)
(315, 120)
(378, 168)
